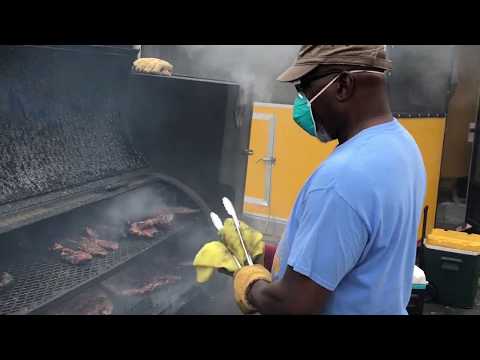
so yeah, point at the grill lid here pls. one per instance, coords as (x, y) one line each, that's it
(62, 122)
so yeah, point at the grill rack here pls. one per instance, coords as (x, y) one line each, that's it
(38, 284)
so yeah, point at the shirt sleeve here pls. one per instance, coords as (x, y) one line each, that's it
(331, 237)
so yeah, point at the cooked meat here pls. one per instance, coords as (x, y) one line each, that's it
(105, 244)
(150, 232)
(91, 247)
(151, 286)
(5, 280)
(161, 219)
(99, 305)
(148, 227)
(73, 257)
(138, 230)
(76, 257)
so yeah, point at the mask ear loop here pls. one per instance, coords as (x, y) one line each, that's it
(313, 119)
(336, 77)
(316, 96)
(325, 88)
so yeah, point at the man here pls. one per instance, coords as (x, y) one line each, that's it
(349, 245)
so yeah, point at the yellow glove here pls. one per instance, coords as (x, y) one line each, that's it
(220, 254)
(213, 255)
(153, 66)
(242, 281)
(253, 240)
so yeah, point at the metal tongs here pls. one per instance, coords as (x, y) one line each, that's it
(219, 225)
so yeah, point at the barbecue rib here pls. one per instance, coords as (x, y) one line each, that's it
(163, 218)
(160, 219)
(151, 286)
(105, 244)
(137, 230)
(91, 247)
(148, 228)
(85, 304)
(73, 257)
(99, 305)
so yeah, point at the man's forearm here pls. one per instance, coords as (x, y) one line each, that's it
(268, 298)
(293, 294)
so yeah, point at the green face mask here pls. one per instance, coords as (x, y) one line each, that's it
(303, 116)
(302, 111)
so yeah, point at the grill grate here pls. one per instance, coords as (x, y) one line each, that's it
(37, 284)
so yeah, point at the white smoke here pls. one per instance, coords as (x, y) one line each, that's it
(254, 67)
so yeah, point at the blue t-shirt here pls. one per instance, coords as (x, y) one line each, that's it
(353, 229)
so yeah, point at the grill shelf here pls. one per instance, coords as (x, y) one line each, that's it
(38, 284)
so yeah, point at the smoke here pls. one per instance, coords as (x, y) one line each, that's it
(254, 67)
(420, 76)
(134, 206)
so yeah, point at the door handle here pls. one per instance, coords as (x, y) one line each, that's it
(270, 159)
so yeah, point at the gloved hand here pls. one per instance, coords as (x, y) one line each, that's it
(242, 281)
(220, 254)
(153, 66)
(253, 241)
(213, 255)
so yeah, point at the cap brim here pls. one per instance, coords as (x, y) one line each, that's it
(296, 72)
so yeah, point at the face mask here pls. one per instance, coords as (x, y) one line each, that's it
(303, 115)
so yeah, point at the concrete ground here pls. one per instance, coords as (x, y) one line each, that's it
(436, 309)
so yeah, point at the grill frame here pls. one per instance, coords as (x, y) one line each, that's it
(107, 66)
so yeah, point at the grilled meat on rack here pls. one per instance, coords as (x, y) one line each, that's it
(137, 230)
(160, 219)
(73, 257)
(105, 244)
(91, 247)
(100, 305)
(96, 303)
(151, 286)
(148, 228)
(5, 280)
(163, 219)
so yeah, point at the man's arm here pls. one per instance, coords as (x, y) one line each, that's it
(330, 239)
(293, 294)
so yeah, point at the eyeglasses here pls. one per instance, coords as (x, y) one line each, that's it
(301, 87)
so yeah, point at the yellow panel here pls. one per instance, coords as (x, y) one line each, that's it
(428, 133)
(298, 155)
(255, 182)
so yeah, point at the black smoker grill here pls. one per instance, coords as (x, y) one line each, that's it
(85, 142)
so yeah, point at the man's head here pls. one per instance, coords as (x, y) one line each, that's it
(343, 85)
